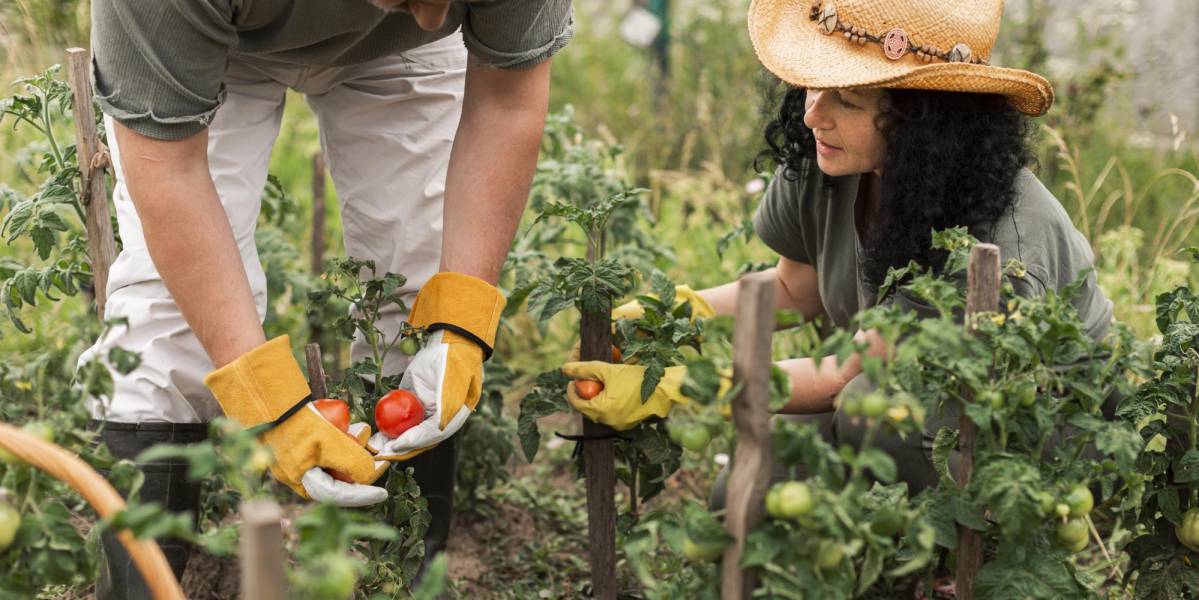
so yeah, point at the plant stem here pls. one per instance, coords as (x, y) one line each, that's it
(50, 134)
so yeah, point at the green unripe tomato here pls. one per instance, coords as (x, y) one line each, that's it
(409, 346)
(1080, 501)
(674, 431)
(1062, 509)
(1028, 395)
(992, 398)
(1072, 535)
(1188, 532)
(773, 504)
(874, 405)
(702, 551)
(886, 522)
(695, 438)
(10, 521)
(829, 555)
(852, 406)
(794, 500)
(1047, 503)
(336, 578)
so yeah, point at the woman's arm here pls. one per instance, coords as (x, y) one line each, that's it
(814, 385)
(797, 290)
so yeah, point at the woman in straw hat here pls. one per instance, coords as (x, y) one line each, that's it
(894, 125)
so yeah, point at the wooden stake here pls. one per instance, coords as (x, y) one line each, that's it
(93, 158)
(262, 555)
(316, 331)
(318, 213)
(982, 295)
(316, 371)
(751, 469)
(599, 458)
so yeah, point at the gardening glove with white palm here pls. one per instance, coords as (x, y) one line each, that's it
(700, 309)
(265, 387)
(463, 313)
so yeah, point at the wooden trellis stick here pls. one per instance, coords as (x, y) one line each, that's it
(93, 158)
(316, 331)
(262, 557)
(316, 371)
(982, 295)
(751, 469)
(599, 457)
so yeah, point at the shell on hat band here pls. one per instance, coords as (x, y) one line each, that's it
(896, 42)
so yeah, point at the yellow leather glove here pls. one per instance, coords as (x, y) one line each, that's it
(447, 374)
(619, 405)
(265, 383)
(700, 309)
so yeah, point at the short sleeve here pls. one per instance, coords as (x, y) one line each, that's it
(778, 220)
(516, 34)
(158, 65)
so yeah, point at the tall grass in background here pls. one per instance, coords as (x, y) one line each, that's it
(691, 135)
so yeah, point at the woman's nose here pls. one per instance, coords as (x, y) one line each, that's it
(814, 116)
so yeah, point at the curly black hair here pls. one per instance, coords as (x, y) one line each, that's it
(951, 159)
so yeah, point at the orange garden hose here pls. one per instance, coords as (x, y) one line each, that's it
(62, 465)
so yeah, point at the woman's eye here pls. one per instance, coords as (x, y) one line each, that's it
(845, 102)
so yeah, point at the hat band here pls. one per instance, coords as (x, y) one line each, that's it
(896, 43)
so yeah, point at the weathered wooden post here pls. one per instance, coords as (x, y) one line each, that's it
(262, 557)
(316, 371)
(93, 158)
(751, 469)
(599, 457)
(982, 295)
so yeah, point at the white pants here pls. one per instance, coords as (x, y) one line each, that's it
(386, 128)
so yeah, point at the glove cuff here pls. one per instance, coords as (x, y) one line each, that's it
(261, 386)
(465, 302)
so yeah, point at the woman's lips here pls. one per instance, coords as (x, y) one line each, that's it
(826, 150)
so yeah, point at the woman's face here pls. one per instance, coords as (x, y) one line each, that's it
(848, 141)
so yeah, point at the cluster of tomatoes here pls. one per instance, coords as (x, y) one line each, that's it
(395, 413)
(1072, 509)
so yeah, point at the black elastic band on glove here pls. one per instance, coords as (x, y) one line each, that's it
(464, 333)
(581, 438)
(265, 427)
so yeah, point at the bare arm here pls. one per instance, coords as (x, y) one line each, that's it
(797, 290)
(814, 385)
(190, 240)
(491, 165)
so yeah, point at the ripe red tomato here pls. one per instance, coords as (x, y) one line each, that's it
(617, 355)
(588, 389)
(397, 412)
(336, 412)
(338, 475)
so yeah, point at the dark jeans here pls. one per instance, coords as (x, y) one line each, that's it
(165, 482)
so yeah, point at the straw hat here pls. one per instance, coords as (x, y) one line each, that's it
(911, 44)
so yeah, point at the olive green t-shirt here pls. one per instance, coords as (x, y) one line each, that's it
(158, 65)
(812, 223)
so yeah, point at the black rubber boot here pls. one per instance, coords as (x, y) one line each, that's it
(434, 472)
(165, 482)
